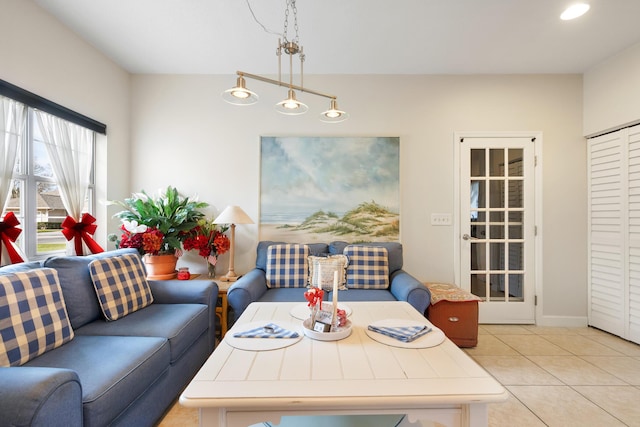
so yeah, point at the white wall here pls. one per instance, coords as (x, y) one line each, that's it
(185, 135)
(40, 55)
(612, 93)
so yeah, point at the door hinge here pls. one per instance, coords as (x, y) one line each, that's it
(535, 230)
(535, 300)
(535, 161)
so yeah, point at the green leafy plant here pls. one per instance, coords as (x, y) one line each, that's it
(166, 219)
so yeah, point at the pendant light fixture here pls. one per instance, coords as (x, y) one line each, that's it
(240, 95)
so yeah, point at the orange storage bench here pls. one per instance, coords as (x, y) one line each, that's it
(455, 311)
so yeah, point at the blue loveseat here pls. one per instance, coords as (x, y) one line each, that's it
(124, 372)
(252, 287)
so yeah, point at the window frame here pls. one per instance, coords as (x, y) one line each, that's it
(26, 176)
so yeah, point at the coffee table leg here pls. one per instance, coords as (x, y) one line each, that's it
(475, 415)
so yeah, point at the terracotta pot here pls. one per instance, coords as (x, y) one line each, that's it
(161, 267)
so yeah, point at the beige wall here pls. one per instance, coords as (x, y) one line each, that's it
(196, 141)
(176, 130)
(612, 93)
(40, 55)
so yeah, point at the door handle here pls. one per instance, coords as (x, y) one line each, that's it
(467, 237)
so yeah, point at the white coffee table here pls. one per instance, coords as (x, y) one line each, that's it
(353, 376)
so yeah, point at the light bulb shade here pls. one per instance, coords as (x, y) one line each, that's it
(240, 95)
(233, 215)
(291, 106)
(333, 115)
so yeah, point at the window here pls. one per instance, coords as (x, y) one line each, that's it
(36, 197)
(47, 165)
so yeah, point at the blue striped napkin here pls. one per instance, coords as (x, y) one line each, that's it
(261, 332)
(402, 333)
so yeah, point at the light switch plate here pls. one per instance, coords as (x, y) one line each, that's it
(440, 219)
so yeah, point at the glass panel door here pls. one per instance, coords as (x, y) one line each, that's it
(497, 226)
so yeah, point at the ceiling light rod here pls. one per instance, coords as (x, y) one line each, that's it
(284, 84)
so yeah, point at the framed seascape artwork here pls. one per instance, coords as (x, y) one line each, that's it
(322, 189)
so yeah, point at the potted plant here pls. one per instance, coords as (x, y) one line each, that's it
(157, 226)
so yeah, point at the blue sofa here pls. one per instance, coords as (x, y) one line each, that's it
(252, 287)
(124, 372)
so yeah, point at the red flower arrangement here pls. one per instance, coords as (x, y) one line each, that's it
(209, 240)
(147, 240)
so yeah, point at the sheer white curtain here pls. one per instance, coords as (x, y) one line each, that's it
(12, 121)
(69, 147)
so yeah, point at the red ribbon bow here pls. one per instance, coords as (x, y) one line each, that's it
(80, 232)
(8, 234)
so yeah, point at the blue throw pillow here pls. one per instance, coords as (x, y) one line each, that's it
(368, 267)
(287, 266)
(121, 285)
(33, 316)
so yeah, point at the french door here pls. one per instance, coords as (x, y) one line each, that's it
(497, 226)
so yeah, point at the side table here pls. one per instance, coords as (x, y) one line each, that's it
(455, 311)
(222, 308)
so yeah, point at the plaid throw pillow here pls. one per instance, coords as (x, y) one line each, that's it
(287, 266)
(33, 316)
(368, 267)
(120, 284)
(321, 271)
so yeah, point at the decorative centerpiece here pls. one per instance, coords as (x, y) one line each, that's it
(328, 323)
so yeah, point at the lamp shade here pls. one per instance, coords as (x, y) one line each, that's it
(233, 215)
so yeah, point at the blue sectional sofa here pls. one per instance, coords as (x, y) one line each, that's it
(124, 372)
(252, 287)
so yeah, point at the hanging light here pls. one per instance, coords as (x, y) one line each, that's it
(240, 95)
(291, 106)
(333, 115)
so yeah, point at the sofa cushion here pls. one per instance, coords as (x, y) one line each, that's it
(114, 371)
(33, 317)
(21, 266)
(368, 267)
(364, 295)
(393, 248)
(181, 324)
(287, 266)
(120, 284)
(77, 287)
(285, 295)
(327, 266)
(317, 249)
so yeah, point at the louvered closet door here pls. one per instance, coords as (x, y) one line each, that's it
(633, 137)
(607, 202)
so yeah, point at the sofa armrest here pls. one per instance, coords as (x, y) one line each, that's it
(405, 287)
(31, 396)
(249, 288)
(189, 292)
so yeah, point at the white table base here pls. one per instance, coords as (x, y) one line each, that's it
(472, 415)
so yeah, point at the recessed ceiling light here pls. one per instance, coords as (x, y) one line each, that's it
(574, 11)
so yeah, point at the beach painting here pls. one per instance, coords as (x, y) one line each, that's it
(323, 189)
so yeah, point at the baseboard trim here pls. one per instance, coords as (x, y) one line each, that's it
(563, 321)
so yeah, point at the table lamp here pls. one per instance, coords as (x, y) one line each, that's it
(232, 215)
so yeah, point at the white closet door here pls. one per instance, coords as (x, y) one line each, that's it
(633, 310)
(607, 207)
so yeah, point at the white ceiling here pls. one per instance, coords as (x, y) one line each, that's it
(353, 36)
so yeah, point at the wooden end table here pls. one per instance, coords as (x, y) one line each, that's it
(222, 310)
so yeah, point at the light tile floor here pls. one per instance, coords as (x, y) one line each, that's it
(555, 377)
